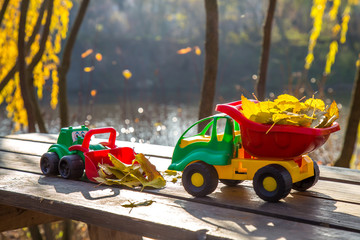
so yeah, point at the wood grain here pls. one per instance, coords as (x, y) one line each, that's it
(14, 218)
(330, 208)
(166, 218)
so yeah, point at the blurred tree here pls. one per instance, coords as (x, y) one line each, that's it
(65, 63)
(338, 31)
(34, 52)
(264, 61)
(211, 60)
(352, 124)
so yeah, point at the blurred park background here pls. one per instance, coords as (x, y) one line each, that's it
(138, 65)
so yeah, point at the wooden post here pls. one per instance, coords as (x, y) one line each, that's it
(99, 233)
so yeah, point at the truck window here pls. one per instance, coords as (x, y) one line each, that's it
(220, 128)
(194, 130)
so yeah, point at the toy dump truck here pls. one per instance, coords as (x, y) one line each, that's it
(232, 148)
(73, 153)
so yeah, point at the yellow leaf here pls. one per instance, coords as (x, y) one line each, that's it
(287, 110)
(358, 63)
(149, 169)
(286, 97)
(89, 69)
(197, 50)
(315, 103)
(184, 50)
(98, 57)
(336, 29)
(127, 74)
(131, 175)
(249, 108)
(333, 110)
(87, 53)
(120, 165)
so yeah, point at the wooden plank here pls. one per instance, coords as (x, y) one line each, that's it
(322, 198)
(14, 218)
(166, 218)
(21, 162)
(340, 174)
(25, 147)
(37, 144)
(48, 139)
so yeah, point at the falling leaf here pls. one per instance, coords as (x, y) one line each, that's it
(93, 93)
(87, 53)
(89, 69)
(98, 57)
(184, 50)
(127, 74)
(197, 50)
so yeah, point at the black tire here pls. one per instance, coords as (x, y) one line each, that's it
(307, 183)
(49, 164)
(272, 183)
(231, 183)
(205, 174)
(71, 167)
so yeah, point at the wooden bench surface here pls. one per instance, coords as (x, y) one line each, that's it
(329, 210)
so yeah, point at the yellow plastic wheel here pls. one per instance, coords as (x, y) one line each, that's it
(272, 182)
(200, 179)
(269, 184)
(197, 179)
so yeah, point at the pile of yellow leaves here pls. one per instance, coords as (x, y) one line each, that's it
(288, 110)
(140, 173)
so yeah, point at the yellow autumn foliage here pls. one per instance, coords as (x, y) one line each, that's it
(288, 110)
(46, 69)
(317, 14)
(140, 173)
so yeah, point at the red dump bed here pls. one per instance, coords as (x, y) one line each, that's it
(282, 141)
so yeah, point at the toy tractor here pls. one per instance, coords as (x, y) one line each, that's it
(232, 148)
(66, 157)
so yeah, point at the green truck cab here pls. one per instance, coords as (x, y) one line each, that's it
(59, 160)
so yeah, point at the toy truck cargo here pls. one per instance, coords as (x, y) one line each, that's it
(276, 161)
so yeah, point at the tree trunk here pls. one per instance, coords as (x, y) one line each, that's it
(65, 64)
(211, 59)
(261, 84)
(3, 10)
(352, 126)
(24, 86)
(46, 30)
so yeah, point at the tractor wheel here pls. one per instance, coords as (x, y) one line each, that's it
(200, 179)
(231, 183)
(272, 183)
(71, 167)
(307, 183)
(49, 164)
